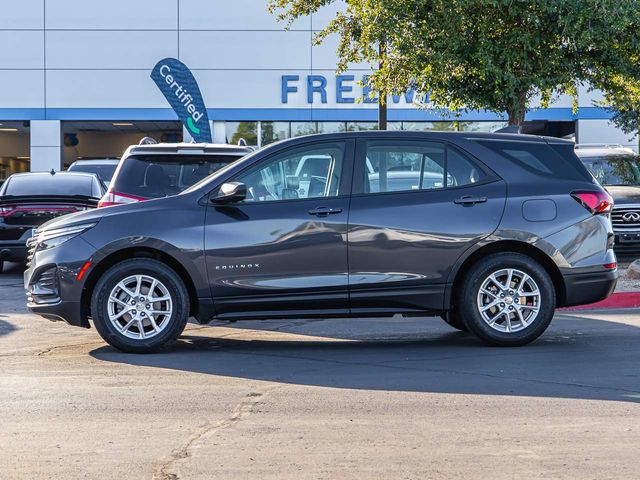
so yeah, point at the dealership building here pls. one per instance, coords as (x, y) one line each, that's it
(75, 81)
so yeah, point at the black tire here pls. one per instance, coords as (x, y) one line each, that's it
(1, 265)
(453, 319)
(467, 304)
(140, 266)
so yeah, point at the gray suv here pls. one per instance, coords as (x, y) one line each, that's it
(490, 231)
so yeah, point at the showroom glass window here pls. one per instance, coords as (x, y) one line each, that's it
(307, 172)
(246, 130)
(399, 166)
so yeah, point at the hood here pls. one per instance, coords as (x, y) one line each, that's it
(97, 214)
(624, 194)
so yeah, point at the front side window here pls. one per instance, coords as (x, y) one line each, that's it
(396, 166)
(307, 172)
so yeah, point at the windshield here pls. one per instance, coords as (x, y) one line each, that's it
(104, 172)
(615, 169)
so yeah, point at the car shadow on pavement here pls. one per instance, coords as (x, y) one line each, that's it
(577, 358)
(5, 327)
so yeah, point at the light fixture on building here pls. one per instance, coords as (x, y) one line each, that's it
(23, 158)
(8, 129)
(122, 124)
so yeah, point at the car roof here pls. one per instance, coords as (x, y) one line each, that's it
(516, 137)
(97, 161)
(189, 149)
(586, 151)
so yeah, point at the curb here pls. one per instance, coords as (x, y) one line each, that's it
(617, 300)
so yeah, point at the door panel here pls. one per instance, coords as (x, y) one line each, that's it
(403, 244)
(278, 256)
(283, 251)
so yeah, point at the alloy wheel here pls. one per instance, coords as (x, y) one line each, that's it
(509, 300)
(140, 307)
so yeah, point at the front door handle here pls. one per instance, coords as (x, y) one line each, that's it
(468, 200)
(324, 211)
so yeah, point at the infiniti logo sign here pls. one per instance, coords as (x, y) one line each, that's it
(631, 217)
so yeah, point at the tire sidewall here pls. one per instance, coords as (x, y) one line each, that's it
(467, 300)
(122, 270)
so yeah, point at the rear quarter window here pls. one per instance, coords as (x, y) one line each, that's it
(552, 161)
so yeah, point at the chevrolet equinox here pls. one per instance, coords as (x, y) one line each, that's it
(490, 231)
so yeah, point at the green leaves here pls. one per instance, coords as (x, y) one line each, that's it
(497, 55)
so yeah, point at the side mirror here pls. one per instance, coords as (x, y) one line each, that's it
(231, 192)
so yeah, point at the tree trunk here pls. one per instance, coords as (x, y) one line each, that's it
(517, 110)
(382, 97)
(382, 114)
(516, 116)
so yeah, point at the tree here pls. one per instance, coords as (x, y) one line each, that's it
(496, 55)
(623, 99)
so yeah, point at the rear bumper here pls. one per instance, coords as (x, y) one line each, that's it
(585, 288)
(12, 252)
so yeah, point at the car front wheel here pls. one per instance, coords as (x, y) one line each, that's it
(138, 305)
(507, 299)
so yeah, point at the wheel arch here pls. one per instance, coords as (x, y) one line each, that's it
(136, 252)
(510, 246)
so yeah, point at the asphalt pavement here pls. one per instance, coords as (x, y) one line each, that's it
(319, 399)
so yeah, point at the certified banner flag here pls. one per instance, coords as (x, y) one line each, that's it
(178, 85)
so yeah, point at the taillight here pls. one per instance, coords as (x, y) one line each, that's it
(597, 202)
(6, 211)
(116, 198)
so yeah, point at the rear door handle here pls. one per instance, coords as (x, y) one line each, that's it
(324, 211)
(469, 200)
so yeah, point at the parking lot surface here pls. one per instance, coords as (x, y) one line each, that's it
(323, 399)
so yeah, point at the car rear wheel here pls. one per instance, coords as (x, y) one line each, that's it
(1, 265)
(138, 305)
(507, 299)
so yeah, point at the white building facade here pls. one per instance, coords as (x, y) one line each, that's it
(74, 80)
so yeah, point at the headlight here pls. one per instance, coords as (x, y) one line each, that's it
(57, 236)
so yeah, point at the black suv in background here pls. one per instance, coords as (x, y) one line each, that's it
(27, 200)
(164, 169)
(490, 231)
(618, 170)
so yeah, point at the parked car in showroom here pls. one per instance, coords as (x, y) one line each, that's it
(618, 170)
(104, 168)
(159, 170)
(27, 200)
(514, 227)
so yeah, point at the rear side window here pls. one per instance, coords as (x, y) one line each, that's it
(554, 161)
(59, 184)
(396, 166)
(155, 176)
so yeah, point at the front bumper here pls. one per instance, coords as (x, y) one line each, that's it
(585, 288)
(627, 242)
(53, 289)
